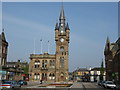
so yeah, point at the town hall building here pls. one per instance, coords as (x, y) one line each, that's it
(53, 67)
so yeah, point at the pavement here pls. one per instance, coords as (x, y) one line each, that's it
(90, 85)
(76, 85)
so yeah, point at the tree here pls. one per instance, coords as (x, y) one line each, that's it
(102, 69)
(26, 69)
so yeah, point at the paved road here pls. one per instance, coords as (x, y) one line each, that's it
(92, 86)
(76, 85)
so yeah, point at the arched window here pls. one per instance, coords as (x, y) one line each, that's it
(46, 61)
(62, 76)
(62, 62)
(51, 76)
(50, 62)
(38, 62)
(43, 63)
(35, 76)
(35, 66)
(38, 76)
(53, 62)
(62, 49)
(35, 62)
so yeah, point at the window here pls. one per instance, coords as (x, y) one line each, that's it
(43, 64)
(44, 76)
(38, 62)
(35, 66)
(52, 63)
(35, 76)
(35, 62)
(62, 49)
(62, 62)
(51, 76)
(38, 76)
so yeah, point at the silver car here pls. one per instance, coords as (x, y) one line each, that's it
(109, 84)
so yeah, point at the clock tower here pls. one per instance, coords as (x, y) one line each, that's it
(62, 43)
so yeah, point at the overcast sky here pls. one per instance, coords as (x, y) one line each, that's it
(90, 24)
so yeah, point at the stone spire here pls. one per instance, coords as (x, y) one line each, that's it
(67, 27)
(62, 20)
(107, 46)
(62, 15)
(108, 40)
(3, 35)
(56, 27)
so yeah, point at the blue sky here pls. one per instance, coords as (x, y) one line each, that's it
(90, 23)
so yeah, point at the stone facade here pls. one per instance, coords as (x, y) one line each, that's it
(81, 74)
(15, 70)
(3, 55)
(50, 67)
(112, 60)
(3, 49)
(95, 74)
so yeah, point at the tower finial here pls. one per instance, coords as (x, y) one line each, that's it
(108, 40)
(3, 30)
(56, 27)
(41, 45)
(62, 16)
(62, 3)
(67, 26)
(107, 46)
(48, 46)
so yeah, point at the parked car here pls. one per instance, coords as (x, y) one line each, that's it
(10, 84)
(22, 82)
(109, 84)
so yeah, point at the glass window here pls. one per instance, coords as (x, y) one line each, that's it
(50, 62)
(62, 49)
(38, 62)
(62, 62)
(35, 66)
(43, 63)
(35, 77)
(35, 62)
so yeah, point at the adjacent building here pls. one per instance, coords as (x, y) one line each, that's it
(81, 74)
(53, 67)
(3, 49)
(3, 55)
(95, 74)
(15, 70)
(112, 60)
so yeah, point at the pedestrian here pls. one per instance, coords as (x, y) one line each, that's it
(41, 81)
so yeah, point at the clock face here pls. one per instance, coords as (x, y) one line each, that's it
(61, 24)
(62, 40)
(62, 31)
